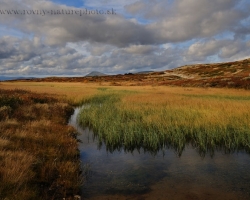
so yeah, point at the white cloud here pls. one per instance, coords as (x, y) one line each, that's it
(236, 49)
(152, 37)
(201, 50)
(188, 19)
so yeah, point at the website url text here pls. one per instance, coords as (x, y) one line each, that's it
(81, 12)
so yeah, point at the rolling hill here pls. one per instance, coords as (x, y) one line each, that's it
(228, 74)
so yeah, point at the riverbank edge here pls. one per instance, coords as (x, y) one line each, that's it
(35, 131)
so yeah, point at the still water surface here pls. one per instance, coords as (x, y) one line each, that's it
(142, 175)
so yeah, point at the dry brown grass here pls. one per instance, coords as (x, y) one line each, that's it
(39, 156)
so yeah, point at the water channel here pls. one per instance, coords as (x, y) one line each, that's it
(142, 175)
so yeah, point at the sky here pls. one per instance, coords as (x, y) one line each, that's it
(73, 38)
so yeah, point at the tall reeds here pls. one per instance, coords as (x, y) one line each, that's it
(153, 121)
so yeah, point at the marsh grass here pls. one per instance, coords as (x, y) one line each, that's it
(237, 98)
(157, 120)
(72, 93)
(39, 157)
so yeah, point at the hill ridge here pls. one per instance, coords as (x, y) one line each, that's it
(95, 73)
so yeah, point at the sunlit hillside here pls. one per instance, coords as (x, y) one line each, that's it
(231, 75)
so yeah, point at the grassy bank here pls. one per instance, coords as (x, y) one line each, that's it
(67, 92)
(210, 120)
(39, 156)
(42, 149)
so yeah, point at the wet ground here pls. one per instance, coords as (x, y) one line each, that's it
(142, 175)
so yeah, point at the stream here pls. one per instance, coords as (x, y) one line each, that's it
(141, 175)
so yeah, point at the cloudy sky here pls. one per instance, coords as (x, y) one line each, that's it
(73, 38)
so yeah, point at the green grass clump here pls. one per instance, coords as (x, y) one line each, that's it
(169, 124)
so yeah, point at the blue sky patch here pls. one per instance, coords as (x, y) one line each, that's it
(75, 3)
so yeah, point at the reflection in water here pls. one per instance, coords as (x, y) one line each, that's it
(134, 173)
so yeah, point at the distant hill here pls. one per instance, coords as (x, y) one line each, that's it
(8, 78)
(95, 73)
(228, 74)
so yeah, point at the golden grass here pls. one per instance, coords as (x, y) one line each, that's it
(79, 91)
(172, 116)
(73, 92)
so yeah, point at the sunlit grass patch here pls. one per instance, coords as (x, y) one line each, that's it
(237, 98)
(157, 119)
(73, 93)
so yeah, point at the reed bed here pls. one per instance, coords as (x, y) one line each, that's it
(158, 119)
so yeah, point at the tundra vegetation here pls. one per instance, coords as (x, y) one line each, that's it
(169, 118)
(39, 157)
(38, 150)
